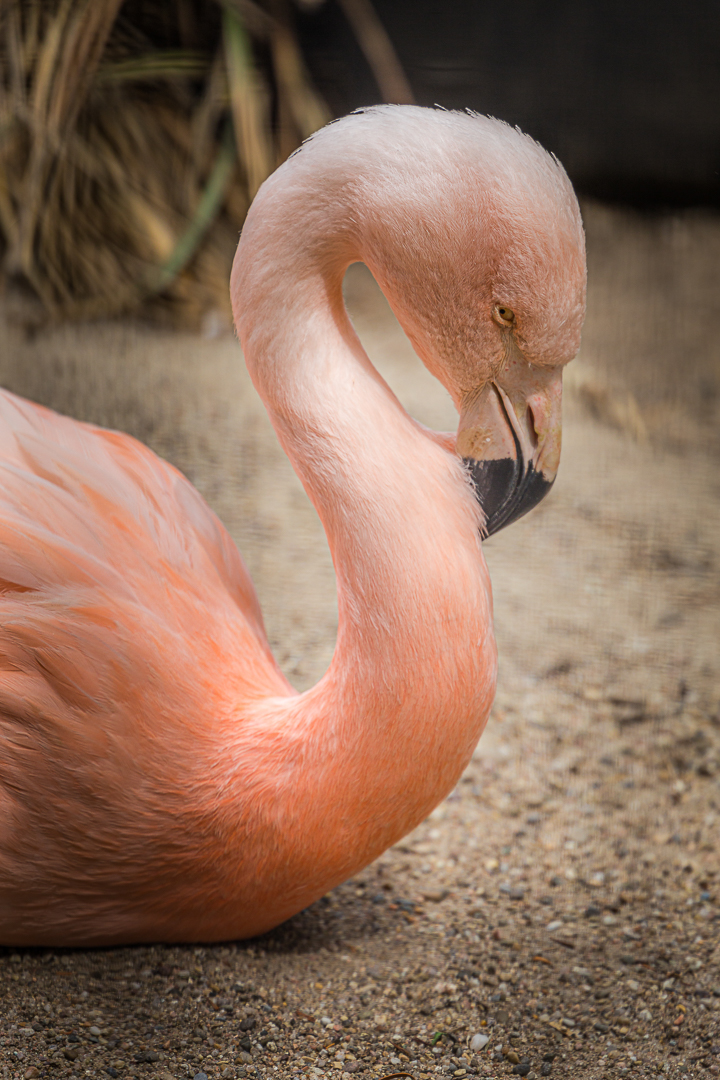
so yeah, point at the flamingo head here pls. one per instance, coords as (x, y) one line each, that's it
(482, 256)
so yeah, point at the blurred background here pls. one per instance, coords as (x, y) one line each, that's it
(625, 93)
(133, 136)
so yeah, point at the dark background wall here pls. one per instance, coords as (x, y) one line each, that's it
(627, 94)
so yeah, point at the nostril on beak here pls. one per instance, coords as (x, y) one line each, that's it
(531, 427)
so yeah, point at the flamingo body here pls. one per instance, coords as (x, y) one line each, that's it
(159, 777)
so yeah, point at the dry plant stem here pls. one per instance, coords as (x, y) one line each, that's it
(14, 45)
(104, 188)
(248, 102)
(208, 112)
(165, 63)
(299, 100)
(305, 107)
(255, 19)
(379, 51)
(67, 62)
(207, 209)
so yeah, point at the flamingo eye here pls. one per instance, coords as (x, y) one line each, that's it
(503, 315)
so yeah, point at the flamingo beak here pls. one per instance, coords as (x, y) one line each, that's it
(509, 438)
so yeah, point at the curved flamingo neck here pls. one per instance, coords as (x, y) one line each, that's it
(387, 731)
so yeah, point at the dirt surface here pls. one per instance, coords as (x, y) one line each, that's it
(558, 914)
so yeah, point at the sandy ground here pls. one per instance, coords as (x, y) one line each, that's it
(558, 915)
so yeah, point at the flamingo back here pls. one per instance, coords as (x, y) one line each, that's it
(130, 641)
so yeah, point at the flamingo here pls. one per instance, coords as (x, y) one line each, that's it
(160, 779)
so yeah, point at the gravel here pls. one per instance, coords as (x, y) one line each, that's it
(562, 905)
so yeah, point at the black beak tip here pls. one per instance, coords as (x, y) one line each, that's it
(506, 490)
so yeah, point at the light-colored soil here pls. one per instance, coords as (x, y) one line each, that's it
(564, 900)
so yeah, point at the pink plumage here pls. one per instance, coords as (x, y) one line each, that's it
(159, 777)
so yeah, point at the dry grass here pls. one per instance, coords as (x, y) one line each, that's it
(132, 137)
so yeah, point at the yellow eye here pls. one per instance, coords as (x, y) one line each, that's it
(503, 315)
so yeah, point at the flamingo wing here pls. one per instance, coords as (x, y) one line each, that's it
(130, 640)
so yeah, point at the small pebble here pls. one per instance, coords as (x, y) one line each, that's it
(554, 925)
(592, 911)
(435, 895)
(479, 1041)
(31, 1073)
(200, 1076)
(95, 1030)
(545, 1068)
(521, 1070)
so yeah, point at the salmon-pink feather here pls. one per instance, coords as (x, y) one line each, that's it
(159, 777)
